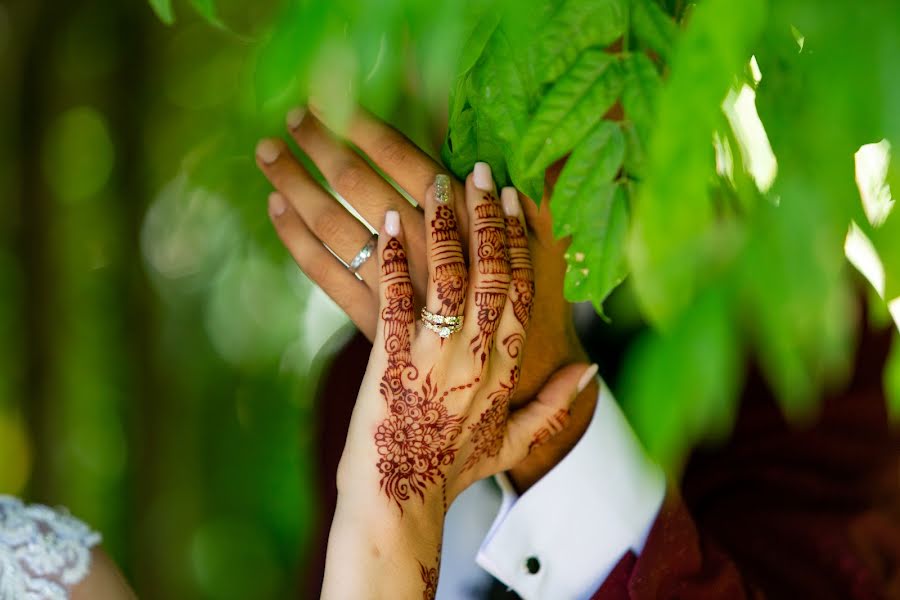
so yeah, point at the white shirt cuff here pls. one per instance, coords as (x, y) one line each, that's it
(573, 526)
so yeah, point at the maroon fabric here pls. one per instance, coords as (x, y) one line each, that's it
(776, 512)
(784, 512)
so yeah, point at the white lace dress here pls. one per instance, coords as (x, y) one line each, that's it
(43, 552)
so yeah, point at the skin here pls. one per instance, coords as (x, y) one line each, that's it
(103, 582)
(306, 216)
(433, 415)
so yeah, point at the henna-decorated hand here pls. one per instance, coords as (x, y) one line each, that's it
(433, 413)
(307, 219)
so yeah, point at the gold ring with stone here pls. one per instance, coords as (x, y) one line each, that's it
(437, 319)
(444, 331)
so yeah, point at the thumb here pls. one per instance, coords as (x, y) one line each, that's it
(548, 413)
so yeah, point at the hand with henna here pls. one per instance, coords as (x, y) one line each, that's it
(308, 219)
(433, 412)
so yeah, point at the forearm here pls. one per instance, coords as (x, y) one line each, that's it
(376, 552)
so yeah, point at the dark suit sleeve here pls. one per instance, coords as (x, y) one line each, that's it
(676, 562)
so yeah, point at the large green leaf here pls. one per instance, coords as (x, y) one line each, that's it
(669, 244)
(479, 29)
(886, 239)
(640, 94)
(653, 26)
(596, 257)
(681, 386)
(468, 143)
(589, 171)
(502, 91)
(577, 25)
(206, 9)
(575, 104)
(163, 10)
(590, 206)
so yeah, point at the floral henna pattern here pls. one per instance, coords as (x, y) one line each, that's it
(493, 265)
(554, 425)
(521, 292)
(450, 268)
(415, 443)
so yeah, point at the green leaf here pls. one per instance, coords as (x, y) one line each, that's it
(163, 10)
(673, 216)
(682, 386)
(575, 26)
(575, 104)
(207, 10)
(479, 32)
(886, 239)
(589, 170)
(796, 300)
(590, 206)
(502, 91)
(653, 27)
(596, 258)
(467, 143)
(892, 380)
(640, 94)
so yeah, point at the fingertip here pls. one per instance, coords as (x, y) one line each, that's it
(392, 223)
(441, 188)
(294, 117)
(482, 176)
(509, 197)
(277, 205)
(268, 150)
(587, 377)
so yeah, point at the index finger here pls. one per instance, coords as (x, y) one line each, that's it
(399, 158)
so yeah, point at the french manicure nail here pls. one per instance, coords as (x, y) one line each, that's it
(587, 376)
(510, 200)
(481, 176)
(294, 117)
(267, 151)
(277, 205)
(442, 189)
(392, 223)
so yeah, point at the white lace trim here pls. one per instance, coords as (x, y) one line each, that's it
(43, 552)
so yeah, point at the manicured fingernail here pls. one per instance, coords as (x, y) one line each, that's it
(510, 199)
(442, 188)
(392, 222)
(587, 377)
(277, 205)
(481, 176)
(294, 117)
(267, 151)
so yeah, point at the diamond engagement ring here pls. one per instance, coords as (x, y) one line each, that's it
(441, 325)
(364, 254)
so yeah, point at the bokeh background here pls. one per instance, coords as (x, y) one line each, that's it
(159, 351)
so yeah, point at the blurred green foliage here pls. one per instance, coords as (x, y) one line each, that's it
(731, 226)
(159, 351)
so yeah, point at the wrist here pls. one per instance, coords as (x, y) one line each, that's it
(376, 517)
